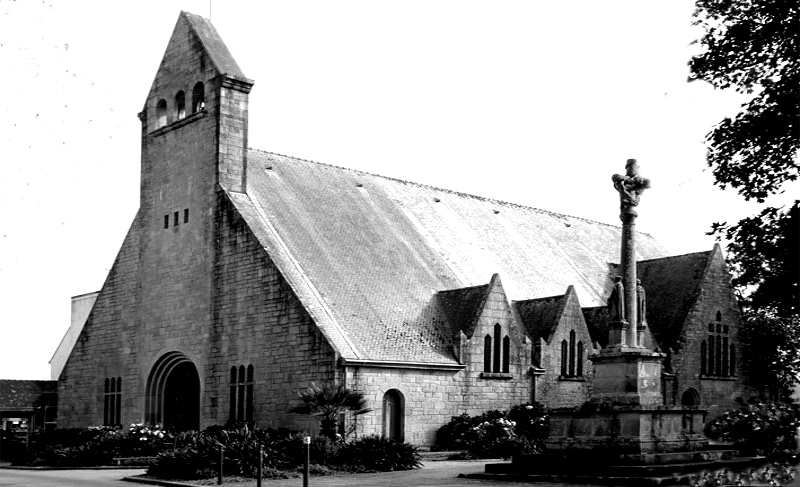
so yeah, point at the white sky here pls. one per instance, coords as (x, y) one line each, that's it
(532, 102)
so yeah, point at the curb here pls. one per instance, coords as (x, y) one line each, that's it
(166, 483)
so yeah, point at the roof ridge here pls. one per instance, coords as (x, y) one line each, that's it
(458, 193)
(675, 256)
(541, 299)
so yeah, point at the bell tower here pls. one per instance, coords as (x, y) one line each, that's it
(194, 146)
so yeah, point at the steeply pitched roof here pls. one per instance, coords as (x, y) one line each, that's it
(214, 46)
(541, 316)
(24, 395)
(596, 319)
(672, 285)
(366, 253)
(463, 306)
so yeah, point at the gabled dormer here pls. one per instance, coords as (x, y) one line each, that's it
(491, 342)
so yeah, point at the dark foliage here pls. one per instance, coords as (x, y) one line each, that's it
(378, 454)
(752, 46)
(771, 351)
(764, 259)
(496, 433)
(758, 428)
(328, 402)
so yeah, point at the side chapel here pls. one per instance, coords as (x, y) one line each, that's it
(247, 275)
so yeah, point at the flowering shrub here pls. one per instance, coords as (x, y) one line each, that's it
(758, 428)
(777, 474)
(496, 433)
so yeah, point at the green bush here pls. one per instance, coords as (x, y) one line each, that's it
(495, 433)
(73, 447)
(378, 454)
(758, 428)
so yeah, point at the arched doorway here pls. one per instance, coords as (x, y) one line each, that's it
(393, 415)
(173, 393)
(690, 397)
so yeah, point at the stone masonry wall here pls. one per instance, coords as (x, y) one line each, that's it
(717, 394)
(258, 320)
(553, 390)
(106, 347)
(432, 397)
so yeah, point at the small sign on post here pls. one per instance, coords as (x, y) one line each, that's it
(307, 443)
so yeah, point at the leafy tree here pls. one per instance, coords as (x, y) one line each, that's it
(771, 350)
(764, 256)
(752, 46)
(328, 402)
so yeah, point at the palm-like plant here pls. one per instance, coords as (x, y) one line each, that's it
(328, 402)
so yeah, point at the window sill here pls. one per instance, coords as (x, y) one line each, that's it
(719, 377)
(572, 379)
(178, 123)
(496, 375)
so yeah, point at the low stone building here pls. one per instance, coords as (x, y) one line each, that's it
(247, 275)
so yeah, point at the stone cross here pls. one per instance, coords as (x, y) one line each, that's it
(630, 188)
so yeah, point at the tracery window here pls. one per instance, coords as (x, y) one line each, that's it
(112, 401)
(497, 351)
(717, 353)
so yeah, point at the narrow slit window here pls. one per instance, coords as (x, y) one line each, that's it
(506, 354)
(186, 215)
(166, 221)
(487, 353)
(175, 219)
(498, 341)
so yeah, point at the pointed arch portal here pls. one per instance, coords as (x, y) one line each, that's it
(173, 393)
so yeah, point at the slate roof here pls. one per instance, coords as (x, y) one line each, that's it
(541, 316)
(213, 45)
(24, 395)
(463, 306)
(672, 285)
(366, 254)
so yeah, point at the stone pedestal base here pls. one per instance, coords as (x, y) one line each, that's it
(631, 432)
(626, 376)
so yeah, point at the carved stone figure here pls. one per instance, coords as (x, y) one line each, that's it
(641, 303)
(616, 302)
(630, 186)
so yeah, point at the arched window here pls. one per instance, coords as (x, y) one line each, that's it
(248, 405)
(718, 368)
(725, 362)
(690, 397)
(232, 408)
(498, 340)
(241, 394)
(180, 105)
(161, 113)
(198, 97)
(112, 401)
(487, 353)
(393, 415)
(572, 353)
(711, 350)
(506, 353)
(579, 364)
(564, 357)
(732, 359)
(719, 316)
(703, 358)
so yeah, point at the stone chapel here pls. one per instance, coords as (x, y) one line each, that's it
(247, 275)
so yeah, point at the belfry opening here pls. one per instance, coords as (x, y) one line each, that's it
(173, 393)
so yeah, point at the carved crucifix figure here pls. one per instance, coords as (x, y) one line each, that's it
(630, 186)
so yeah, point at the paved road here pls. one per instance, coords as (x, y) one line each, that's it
(434, 474)
(65, 478)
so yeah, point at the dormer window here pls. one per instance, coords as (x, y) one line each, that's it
(198, 97)
(161, 113)
(180, 105)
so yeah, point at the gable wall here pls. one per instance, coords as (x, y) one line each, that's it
(432, 397)
(258, 320)
(716, 294)
(555, 391)
(106, 347)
